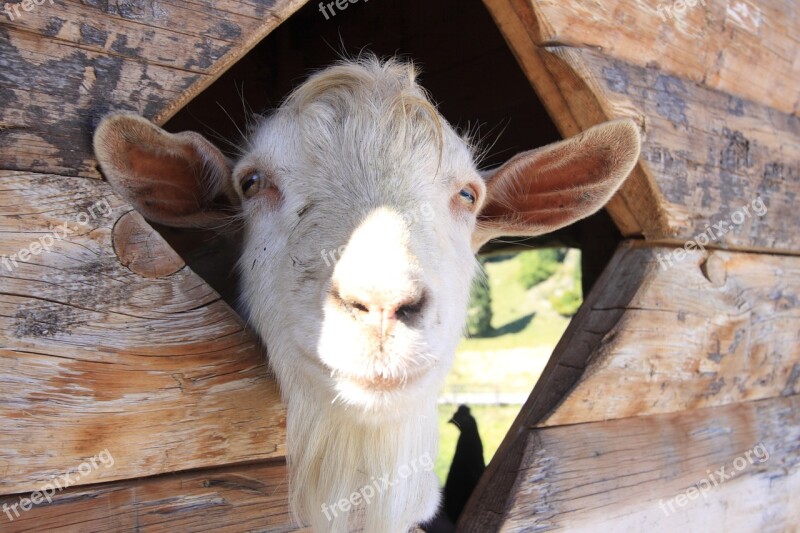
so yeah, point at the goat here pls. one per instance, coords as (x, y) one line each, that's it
(360, 345)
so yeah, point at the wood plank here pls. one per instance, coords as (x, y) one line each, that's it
(573, 103)
(48, 128)
(651, 340)
(153, 367)
(648, 472)
(122, 33)
(63, 67)
(744, 48)
(712, 155)
(706, 154)
(711, 329)
(232, 499)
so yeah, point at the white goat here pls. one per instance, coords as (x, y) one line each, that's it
(361, 346)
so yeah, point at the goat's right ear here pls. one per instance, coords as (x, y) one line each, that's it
(180, 180)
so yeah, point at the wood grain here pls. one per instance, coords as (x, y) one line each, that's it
(638, 473)
(712, 156)
(743, 48)
(158, 370)
(65, 65)
(711, 329)
(231, 499)
(706, 154)
(708, 331)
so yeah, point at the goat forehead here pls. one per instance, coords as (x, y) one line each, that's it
(361, 142)
(358, 168)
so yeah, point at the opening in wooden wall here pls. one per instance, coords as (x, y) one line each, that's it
(475, 80)
(466, 66)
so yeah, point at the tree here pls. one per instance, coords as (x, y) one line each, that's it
(567, 301)
(539, 265)
(479, 315)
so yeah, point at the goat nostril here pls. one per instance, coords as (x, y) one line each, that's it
(409, 311)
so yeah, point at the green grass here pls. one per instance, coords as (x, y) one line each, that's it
(493, 423)
(526, 329)
(511, 358)
(522, 317)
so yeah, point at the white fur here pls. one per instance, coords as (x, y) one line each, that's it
(357, 261)
(362, 150)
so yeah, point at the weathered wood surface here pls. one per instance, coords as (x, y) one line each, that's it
(232, 499)
(158, 370)
(740, 47)
(144, 361)
(712, 156)
(706, 154)
(708, 331)
(646, 473)
(64, 65)
(711, 329)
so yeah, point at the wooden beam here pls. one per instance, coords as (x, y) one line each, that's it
(151, 366)
(701, 332)
(662, 472)
(250, 497)
(744, 48)
(707, 155)
(705, 330)
(65, 65)
(715, 158)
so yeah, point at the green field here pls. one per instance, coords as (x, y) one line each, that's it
(510, 358)
(522, 317)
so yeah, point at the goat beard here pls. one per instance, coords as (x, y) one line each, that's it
(333, 456)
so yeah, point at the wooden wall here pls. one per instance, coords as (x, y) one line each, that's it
(107, 341)
(682, 359)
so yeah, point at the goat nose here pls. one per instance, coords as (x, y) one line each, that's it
(382, 311)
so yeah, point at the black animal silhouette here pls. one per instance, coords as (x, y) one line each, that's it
(467, 466)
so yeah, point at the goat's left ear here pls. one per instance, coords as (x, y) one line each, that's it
(551, 187)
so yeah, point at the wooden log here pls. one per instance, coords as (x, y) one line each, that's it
(744, 48)
(64, 65)
(153, 367)
(232, 499)
(703, 332)
(711, 329)
(730, 468)
(707, 155)
(574, 103)
(716, 159)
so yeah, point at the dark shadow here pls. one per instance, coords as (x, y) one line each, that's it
(512, 327)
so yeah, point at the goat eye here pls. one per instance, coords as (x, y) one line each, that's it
(252, 183)
(467, 196)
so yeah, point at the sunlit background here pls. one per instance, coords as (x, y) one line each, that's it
(517, 315)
